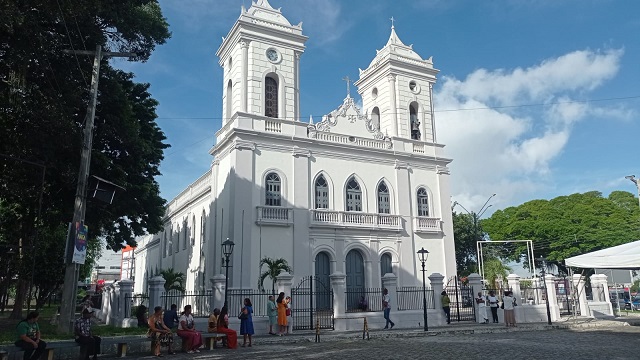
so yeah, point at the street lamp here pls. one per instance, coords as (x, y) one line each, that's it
(544, 283)
(635, 181)
(422, 256)
(227, 250)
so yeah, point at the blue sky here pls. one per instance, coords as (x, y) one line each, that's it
(535, 99)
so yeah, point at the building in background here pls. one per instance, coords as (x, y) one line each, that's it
(127, 266)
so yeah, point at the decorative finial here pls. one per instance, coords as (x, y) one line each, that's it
(346, 78)
(310, 119)
(392, 20)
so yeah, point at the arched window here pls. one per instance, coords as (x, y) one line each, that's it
(203, 223)
(229, 102)
(273, 190)
(375, 118)
(322, 193)
(423, 202)
(166, 245)
(354, 195)
(415, 123)
(185, 231)
(270, 97)
(384, 204)
(385, 264)
(170, 241)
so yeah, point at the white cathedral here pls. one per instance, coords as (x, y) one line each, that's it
(356, 192)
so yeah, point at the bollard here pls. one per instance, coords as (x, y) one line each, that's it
(365, 329)
(317, 330)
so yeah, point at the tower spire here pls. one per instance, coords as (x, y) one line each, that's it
(346, 78)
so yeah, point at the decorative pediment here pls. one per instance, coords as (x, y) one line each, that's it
(348, 119)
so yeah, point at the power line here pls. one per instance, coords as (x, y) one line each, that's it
(71, 43)
(451, 110)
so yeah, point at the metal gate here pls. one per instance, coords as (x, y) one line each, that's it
(461, 296)
(311, 303)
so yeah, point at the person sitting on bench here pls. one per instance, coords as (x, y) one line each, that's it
(29, 337)
(89, 344)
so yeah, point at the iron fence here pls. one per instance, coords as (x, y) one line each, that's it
(411, 298)
(363, 299)
(258, 299)
(132, 302)
(199, 300)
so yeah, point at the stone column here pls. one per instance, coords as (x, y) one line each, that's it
(475, 282)
(284, 282)
(296, 85)
(390, 282)
(217, 291)
(514, 284)
(156, 289)
(394, 106)
(580, 294)
(244, 45)
(338, 285)
(437, 285)
(299, 214)
(599, 282)
(126, 292)
(552, 297)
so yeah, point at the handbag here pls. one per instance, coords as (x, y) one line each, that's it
(502, 305)
(243, 316)
(288, 312)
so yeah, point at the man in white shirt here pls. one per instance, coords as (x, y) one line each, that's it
(386, 305)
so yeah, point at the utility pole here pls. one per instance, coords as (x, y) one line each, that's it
(70, 287)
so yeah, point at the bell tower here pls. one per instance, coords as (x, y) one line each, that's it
(397, 91)
(261, 61)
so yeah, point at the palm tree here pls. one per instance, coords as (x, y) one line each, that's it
(274, 268)
(495, 270)
(173, 280)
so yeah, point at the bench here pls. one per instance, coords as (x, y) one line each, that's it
(211, 339)
(48, 352)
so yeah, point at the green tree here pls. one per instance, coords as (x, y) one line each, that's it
(466, 232)
(274, 268)
(174, 280)
(566, 225)
(43, 102)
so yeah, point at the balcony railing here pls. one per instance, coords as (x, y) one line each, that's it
(427, 224)
(355, 219)
(274, 215)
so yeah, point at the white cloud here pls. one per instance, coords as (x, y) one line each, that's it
(324, 25)
(506, 149)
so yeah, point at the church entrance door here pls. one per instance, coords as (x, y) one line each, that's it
(355, 278)
(323, 270)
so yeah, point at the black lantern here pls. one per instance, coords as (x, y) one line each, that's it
(423, 254)
(227, 250)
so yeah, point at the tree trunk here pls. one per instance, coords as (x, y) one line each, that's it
(21, 292)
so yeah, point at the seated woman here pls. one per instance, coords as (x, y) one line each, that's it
(161, 335)
(223, 328)
(363, 304)
(141, 315)
(191, 338)
(213, 324)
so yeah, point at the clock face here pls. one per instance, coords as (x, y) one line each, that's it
(272, 55)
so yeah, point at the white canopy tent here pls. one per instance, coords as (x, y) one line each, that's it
(625, 256)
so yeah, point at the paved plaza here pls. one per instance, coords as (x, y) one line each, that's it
(605, 343)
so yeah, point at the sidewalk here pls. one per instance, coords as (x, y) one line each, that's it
(461, 328)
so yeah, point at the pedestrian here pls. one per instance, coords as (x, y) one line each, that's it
(289, 312)
(509, 304)
(89, 343)
(28, 340)
(141, 316)
(161, 335)
(493, 305)
(223, 328)
(282, 314)
(170, 318)
(444, 298)
(482, 307)
(246, 322)
(272, 312)
(191, 338)
(386, 305)
(363, 304)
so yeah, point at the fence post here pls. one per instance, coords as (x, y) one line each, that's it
(104, 307)
(600, 281)
(437, 285)
(217, 291)
(475, 282)
(338, 284)
(580, 294)
(126, 290)
(156, 288)
(513, 280)
(553, 298)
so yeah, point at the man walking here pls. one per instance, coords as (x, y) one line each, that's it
(386, 305)
(89, 344)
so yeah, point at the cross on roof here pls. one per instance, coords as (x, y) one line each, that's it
(392, 20)
(346, 78)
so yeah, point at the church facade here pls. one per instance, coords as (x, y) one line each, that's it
(358, 191)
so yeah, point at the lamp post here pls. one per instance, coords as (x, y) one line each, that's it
(422, 256)
(636, 181)
(544, 283)
(227, 250)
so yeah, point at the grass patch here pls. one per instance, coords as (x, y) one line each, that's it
(50, 332)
